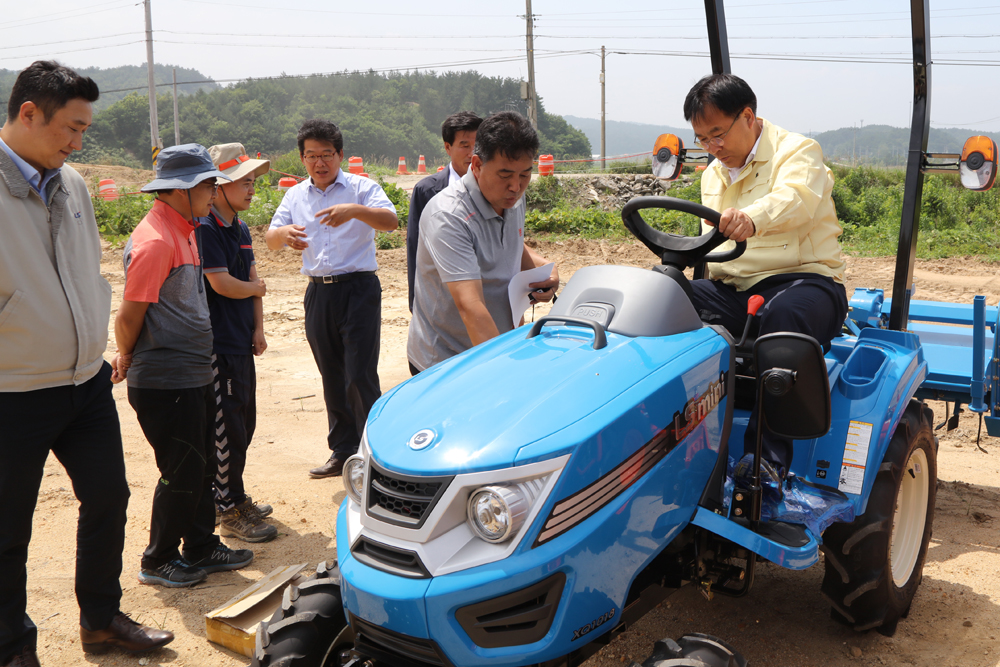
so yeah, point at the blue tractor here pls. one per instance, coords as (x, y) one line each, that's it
(522, 503)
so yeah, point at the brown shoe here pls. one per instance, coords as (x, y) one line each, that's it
(332, 468)
(124, 633)
(26, 658)
(245, 522)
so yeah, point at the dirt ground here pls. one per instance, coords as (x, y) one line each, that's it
(784, 621)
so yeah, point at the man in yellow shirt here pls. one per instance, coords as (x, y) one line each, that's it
(774, 192)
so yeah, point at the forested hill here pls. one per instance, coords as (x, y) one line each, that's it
(625, 138)
(382, 116)
(885, 145)
(126, 76)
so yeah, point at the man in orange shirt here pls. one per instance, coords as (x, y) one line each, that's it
(164, 336)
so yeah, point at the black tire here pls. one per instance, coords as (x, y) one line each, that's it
(309, 630)
(875, 563)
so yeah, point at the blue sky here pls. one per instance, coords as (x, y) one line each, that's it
(256, 38)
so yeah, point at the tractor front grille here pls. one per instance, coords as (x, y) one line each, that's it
(403, 500)
(521, 617)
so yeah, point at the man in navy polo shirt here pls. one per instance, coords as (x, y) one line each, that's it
(237, 311)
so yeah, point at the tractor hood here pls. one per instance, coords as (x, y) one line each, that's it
(474, 412)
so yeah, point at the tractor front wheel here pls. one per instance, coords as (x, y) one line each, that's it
(875, 563)
(310, 629)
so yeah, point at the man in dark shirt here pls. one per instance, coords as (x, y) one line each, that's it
(459, 133)
(237, 311)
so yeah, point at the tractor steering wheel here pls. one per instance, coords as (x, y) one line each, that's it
(674, 249)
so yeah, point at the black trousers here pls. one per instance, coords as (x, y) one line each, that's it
(79, 424)
(235, 421)
(800, 302)
(343, 326)
(180, 426)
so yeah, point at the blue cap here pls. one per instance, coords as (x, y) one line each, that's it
(183, 167)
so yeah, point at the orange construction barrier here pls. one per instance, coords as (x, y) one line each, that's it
(364, 174)
(546, 165)
(285, 183)
(421, 165)
(440, 168)
(402, 166)
(107, 190)
(355, 165)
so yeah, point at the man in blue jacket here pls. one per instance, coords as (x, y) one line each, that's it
(459, 133)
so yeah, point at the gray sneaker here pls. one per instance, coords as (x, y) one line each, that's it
(222, 559)
(246, 523)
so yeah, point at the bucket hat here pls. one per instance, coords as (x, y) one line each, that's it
(233, 161)
(183, 167)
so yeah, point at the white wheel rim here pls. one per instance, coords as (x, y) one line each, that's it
(910, 518)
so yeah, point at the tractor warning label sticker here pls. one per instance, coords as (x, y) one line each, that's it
(852, 473)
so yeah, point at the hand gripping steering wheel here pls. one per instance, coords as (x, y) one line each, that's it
(674, 249)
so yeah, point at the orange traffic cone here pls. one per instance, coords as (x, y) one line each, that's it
(355, 164)
(402, 166)
(440, 168)
(107, 189)
(421, 165)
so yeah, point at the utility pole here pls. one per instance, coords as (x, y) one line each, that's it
(603, 146)
(154, 121)
(177, 122)
(532, 97)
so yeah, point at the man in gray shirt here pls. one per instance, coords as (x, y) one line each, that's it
(471, 245)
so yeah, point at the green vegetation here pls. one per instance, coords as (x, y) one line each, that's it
(953, 221)
(382, 116)
(549, 212)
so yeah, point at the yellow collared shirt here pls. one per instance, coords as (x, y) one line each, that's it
(786, 190)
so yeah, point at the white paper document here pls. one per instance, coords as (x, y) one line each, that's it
(518, 289)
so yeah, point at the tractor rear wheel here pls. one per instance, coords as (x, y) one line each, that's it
(310, 629)
(875, 563)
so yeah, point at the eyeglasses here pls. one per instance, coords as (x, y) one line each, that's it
(718, 141)
(212, 184)
(328, 158)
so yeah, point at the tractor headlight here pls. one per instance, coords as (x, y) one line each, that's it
(354, 477)
(496, 513)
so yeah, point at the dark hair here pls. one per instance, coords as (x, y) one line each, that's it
(726, 92)
(463, 121)
(320, 130)
(508, 133)
(51, 87)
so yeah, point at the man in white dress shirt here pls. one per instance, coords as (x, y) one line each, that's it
(332, 218)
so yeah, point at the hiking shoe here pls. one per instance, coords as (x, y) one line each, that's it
(178, 573)
(245, 522)
(262, 508)
(222, 559)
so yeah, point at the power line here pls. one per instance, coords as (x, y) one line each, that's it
(91, 48)
(270, 8)
(312, 46)
(341, 37)
(813, 38)
(76, 13)
(80, 39)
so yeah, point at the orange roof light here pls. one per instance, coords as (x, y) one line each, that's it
(978, 166)
(666, 156)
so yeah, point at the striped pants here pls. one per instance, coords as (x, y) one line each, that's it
(235, 421)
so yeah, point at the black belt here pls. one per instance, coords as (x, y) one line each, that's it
(342, 278)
